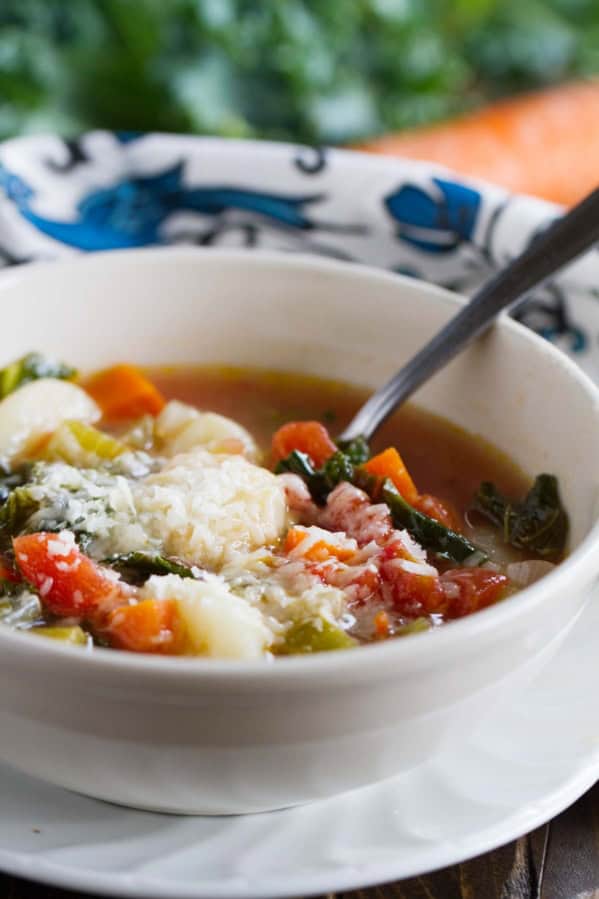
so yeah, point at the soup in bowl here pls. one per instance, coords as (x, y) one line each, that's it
(194, 568)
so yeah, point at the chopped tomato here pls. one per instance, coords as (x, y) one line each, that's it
(389, 464)
(469, 589)
(308, 437)
(408, 585)
(439, 510)
(149, 626)
(412, 595)
(123, 392)
(69, 583)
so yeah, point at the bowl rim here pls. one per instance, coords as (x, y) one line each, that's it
(581, 566)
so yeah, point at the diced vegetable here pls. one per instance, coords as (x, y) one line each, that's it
(72, 635)
(320, 549)
(309, 437)
(68, 582)
(14, 514)
(216, 622)
(124, 392)
(437, 509)
(307, 637)
(11, 478)
(137, 567)
(469, 589)
(82, 445)
(8, 573)
(417, 626)
(32, 367)
(357, 450)
(152, 625)
(382, 624)
(28, 416)
(443, 542)
(538, 523)
(413, 593)
(389, 464)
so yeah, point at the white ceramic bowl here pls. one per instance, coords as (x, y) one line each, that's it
(204, 736)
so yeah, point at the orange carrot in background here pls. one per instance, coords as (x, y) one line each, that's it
(544, 143)
(123, 391)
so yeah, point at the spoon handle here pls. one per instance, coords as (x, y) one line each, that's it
(559, 244)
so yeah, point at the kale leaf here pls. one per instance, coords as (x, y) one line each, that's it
(338, 467)
(537, 524)
(12, 478)
(32, 367)
(357, 450)
(14, 514)
(430, 534)
(137, 567)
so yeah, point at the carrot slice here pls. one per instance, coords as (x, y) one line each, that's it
(149, 626)
(389, 464)
(308, 437)
(382, 625)
(123, 391)
(320, 550)
(503, 143)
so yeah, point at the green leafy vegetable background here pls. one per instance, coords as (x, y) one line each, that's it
(309, 70)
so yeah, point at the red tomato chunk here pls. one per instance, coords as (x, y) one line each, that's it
(69, 583)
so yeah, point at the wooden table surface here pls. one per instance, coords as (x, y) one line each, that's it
(557, 861)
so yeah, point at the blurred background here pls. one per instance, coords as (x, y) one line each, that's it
(317, 71)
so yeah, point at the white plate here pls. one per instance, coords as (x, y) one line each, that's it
(540, 753)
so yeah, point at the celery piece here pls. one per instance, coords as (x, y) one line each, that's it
(305, 637)
(413, 627)
(81, 444)
(73, 635)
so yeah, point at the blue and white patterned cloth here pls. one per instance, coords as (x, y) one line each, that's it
(106, 191)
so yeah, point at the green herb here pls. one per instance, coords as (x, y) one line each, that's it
(537, 524)
(430, 534)
(14, 514)
(358, 450)
(31, 367)
(137, 567)
(11, 478)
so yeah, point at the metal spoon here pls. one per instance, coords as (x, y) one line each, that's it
(562, 242)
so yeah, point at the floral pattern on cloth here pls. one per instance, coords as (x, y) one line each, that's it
(107, 191)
